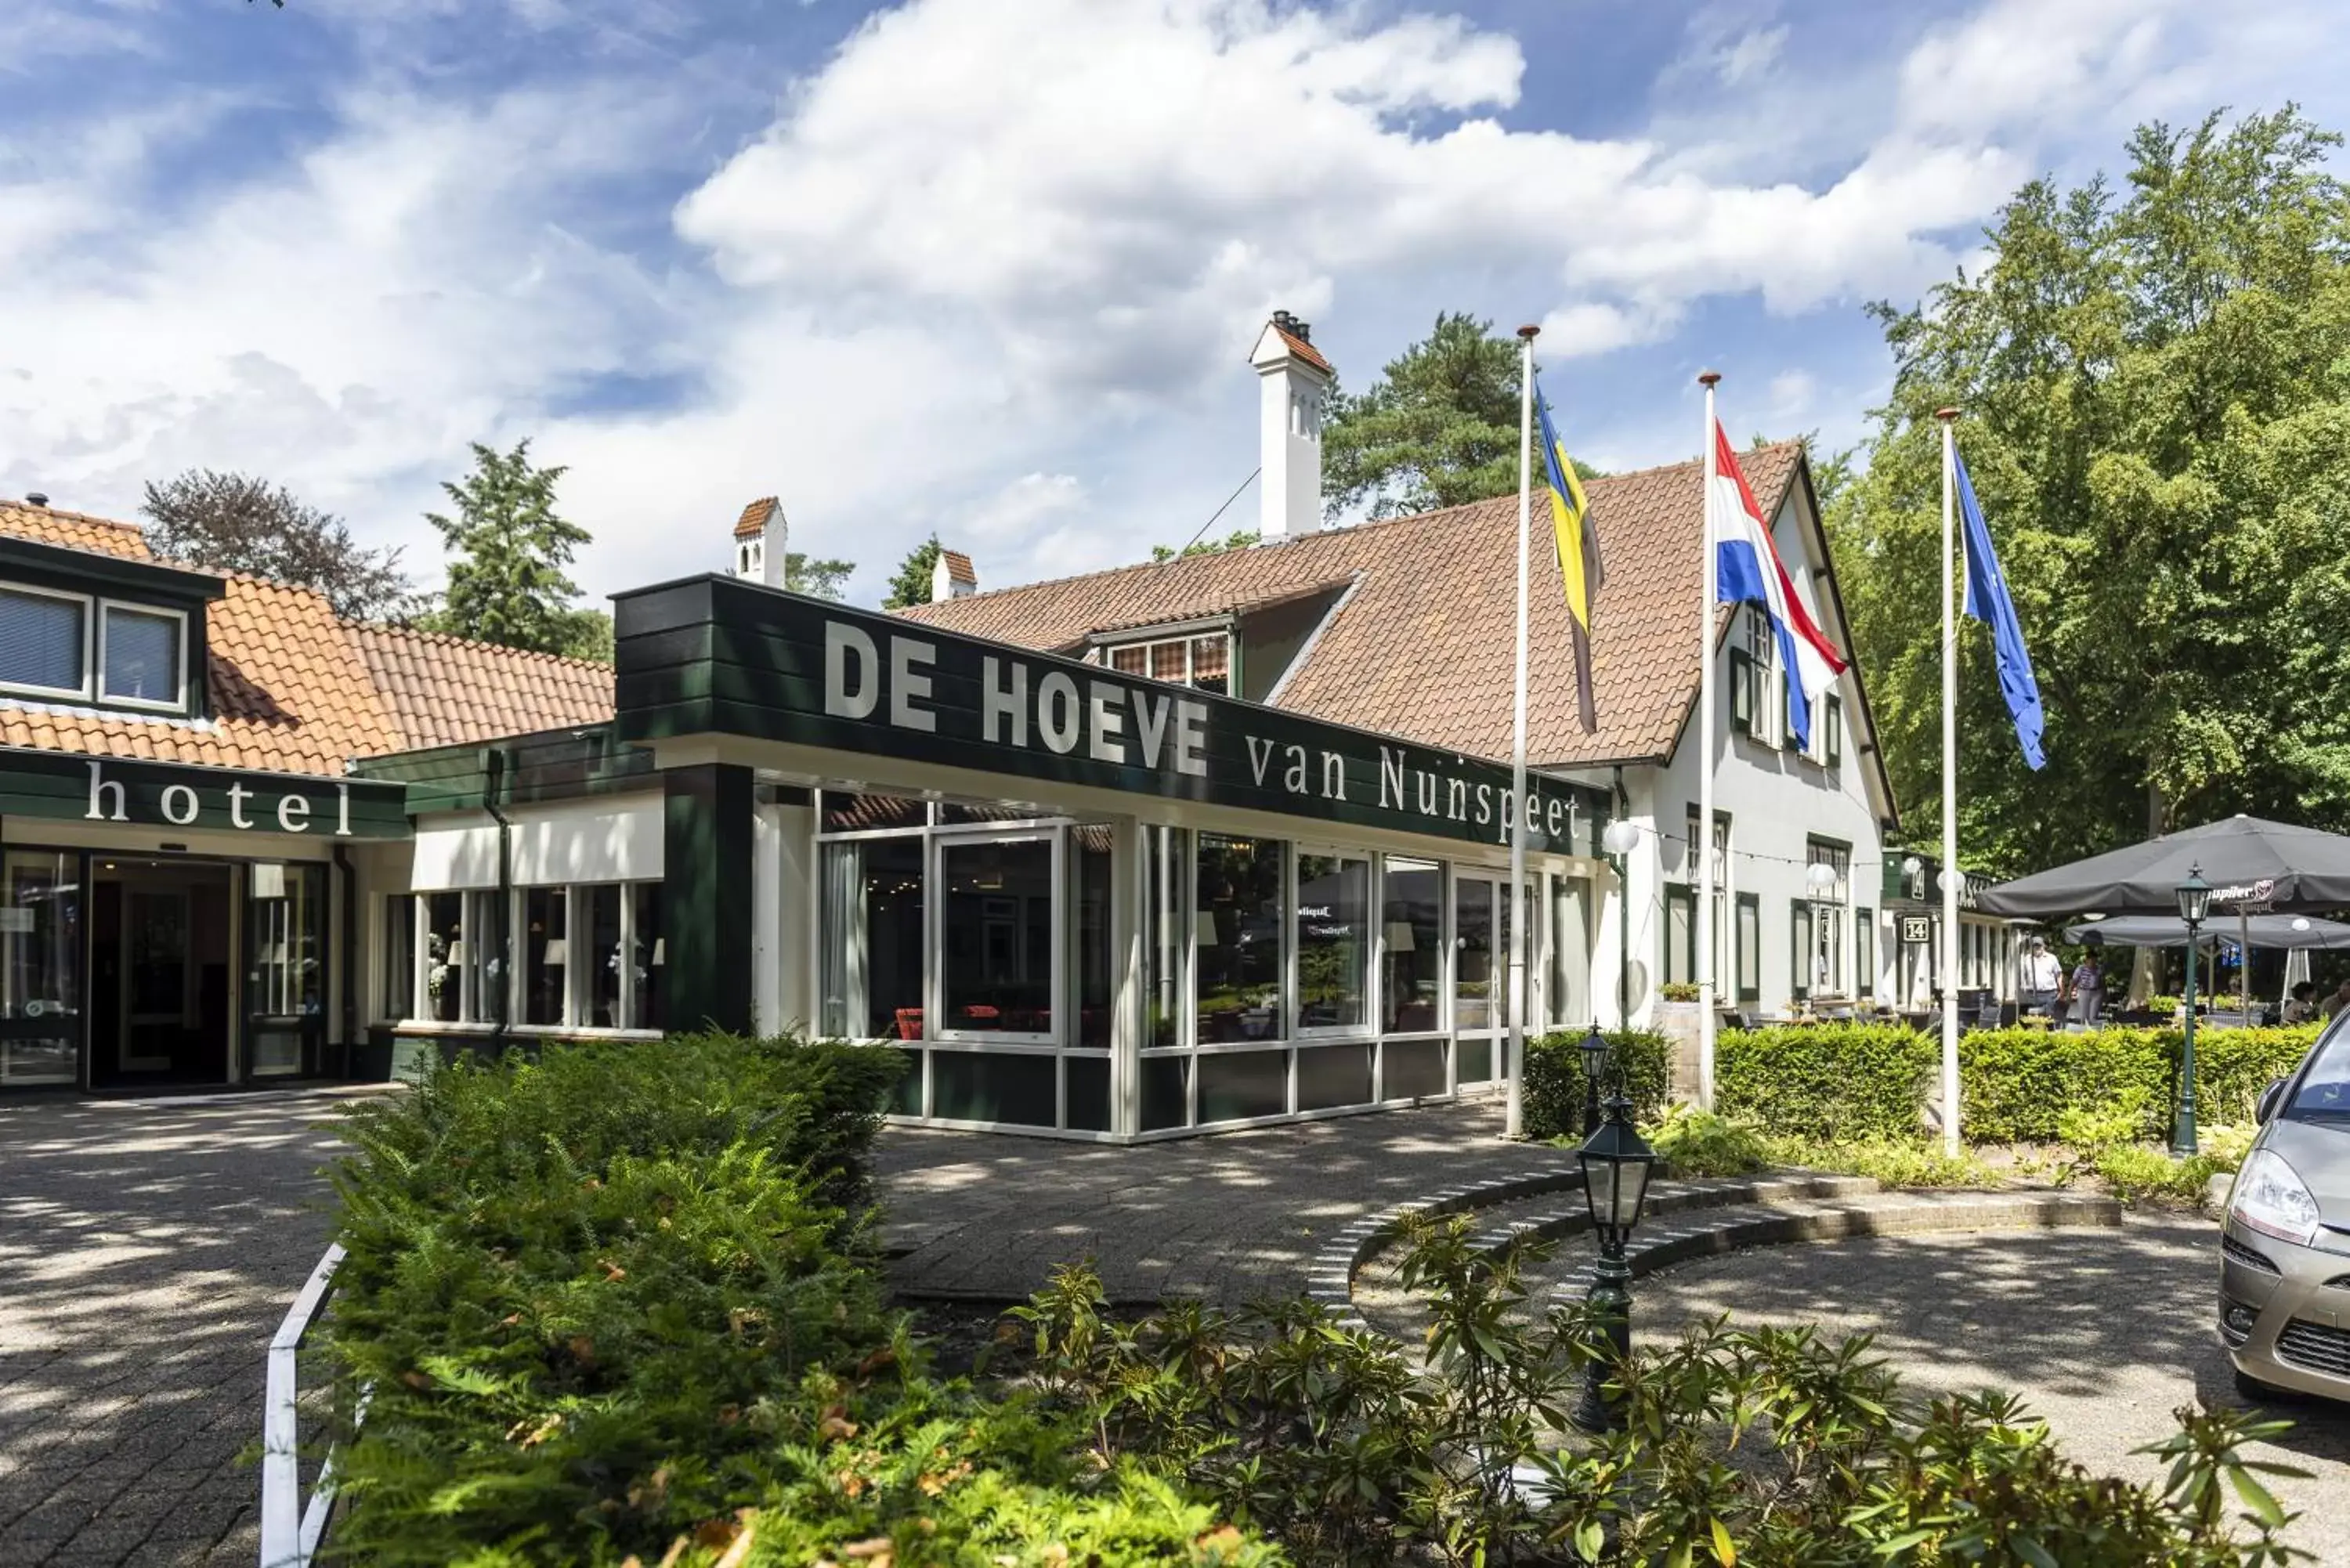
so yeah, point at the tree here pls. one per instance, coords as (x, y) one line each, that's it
(912, 586)
(508, 549)
(822, 579)
(1438, 428)
(236, 523)
(1238, 539)
(2156, 389)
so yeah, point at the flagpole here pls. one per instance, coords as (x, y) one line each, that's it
(1514, 1122)
(1952, 876)
(1708, 590)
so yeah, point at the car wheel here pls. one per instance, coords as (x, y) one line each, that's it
(2250, 1388)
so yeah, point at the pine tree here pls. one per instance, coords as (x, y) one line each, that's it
(912, 586)
(508, 550)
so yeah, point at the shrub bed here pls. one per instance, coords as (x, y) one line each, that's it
(1857, 1080)
(619, 1301)
(1554, 1093)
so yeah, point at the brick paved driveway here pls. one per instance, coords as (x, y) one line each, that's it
(1227, 1217)
(147, 1251)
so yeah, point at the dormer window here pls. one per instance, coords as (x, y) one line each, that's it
(1203, 662)
(82, 630)
(44, 643)
(141, 657)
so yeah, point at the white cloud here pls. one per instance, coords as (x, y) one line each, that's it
(992, 268)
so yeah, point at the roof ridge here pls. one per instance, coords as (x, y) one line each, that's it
(423, 634)
(44, 510)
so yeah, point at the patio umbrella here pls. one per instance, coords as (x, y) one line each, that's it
(2289, 932)
(2253, 865)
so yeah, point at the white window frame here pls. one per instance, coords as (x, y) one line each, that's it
(97, 676)
(1373, 942)
(1162, 635)
(90, 621)
(934, 976)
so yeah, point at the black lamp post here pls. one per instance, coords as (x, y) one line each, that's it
(1616, 1163)
(1594, 1053)
(2194, 906)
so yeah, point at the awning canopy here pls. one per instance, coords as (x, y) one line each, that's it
(2251, 865)
(2275, 931)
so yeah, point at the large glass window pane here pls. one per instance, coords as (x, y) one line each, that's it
(1681, 936)
(485, 956)
(444, 956)
(997, 971)
(1329, 1076)
(1571, 1001)
(41, 638)
(1801, 928)
(40, 965)
(400, 957)
(142, 656)
(1334, 911)
(1864, 953)
(1749, 948)
(1212, 662)
(1412, 1069)
(1166, 902)
(844, 813)
(604, 956)
(1476, 975)
(1088, 1081)
(286, 998)
(1166, 1092)
(1238, 934)
(873, 939)
(1089, 851)
(651, 955)
(546, 955)
(1412, 915)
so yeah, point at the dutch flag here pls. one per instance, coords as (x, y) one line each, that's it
(1747, 571)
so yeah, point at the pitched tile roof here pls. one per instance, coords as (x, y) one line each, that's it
(446, 692)
(1422, 647)
(50, 526)
(753, 520)
(296, 690)
(959, 566)
(1304, 348)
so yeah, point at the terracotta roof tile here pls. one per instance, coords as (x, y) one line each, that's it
(446, 692)
(296, 690)
(1422, 648)
(753, 520)
(1304, 348)
(50, 526)
(959, 566)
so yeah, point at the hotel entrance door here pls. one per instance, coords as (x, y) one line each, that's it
(162, 971)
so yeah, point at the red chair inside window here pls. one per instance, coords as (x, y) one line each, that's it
(910, 1023)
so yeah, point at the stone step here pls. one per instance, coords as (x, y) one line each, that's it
(1709, 1233)
(1370, 1280)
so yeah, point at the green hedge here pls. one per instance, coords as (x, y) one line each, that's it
(617, 1303)
(1873, 1080)
(1553, 1096)
(1825, 1080)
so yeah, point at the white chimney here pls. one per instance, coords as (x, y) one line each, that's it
(1294, 378)
(953, 576)
(760, 538)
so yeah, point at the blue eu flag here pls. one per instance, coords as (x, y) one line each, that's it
(1988, 601)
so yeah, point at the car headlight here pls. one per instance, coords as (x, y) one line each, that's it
(2271, 1198)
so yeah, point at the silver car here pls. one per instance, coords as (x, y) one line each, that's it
(2284, 1270)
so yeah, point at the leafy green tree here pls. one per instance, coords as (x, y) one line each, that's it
(821, 578)
(508, 549)
(1438, 428)
(912, 586)
(1238, 539)
(236, 523)
(2155, 386)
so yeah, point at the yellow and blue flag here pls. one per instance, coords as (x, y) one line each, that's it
(1578, 555)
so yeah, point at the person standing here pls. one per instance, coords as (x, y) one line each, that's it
(2041, 977)
(2088, 989)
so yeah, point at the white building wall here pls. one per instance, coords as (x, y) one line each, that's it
(1777, 800)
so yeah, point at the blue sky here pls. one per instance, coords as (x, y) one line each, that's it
(989, 267)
